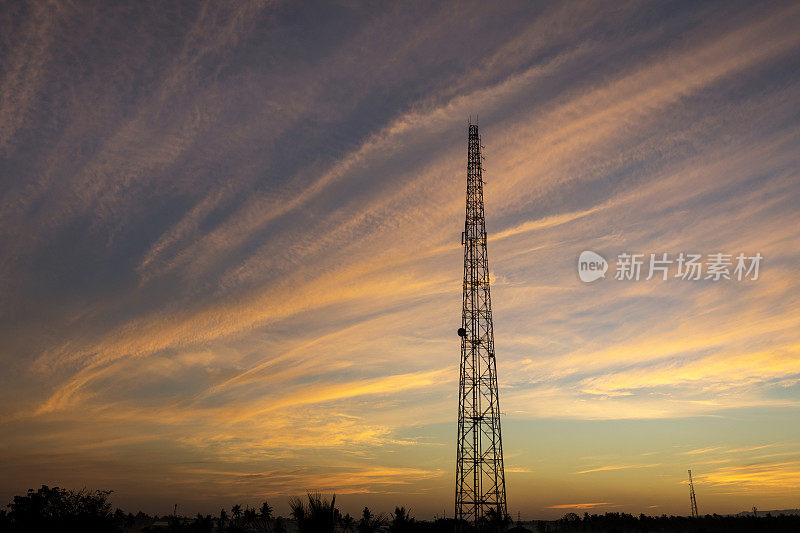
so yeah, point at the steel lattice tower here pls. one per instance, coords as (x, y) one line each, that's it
(692, 499)
(480, 479)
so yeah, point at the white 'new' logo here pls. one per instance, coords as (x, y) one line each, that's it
(591, 266)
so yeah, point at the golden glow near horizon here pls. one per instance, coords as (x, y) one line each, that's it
(230, 262)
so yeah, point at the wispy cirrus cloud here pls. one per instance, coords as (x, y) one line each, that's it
(588, 505)
(768, 476)
(616, 467)
(237, 241)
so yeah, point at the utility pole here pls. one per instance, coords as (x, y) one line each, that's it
(480, 478)
(692, 499)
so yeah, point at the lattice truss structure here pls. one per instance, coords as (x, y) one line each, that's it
(692, 498)
(480, 478)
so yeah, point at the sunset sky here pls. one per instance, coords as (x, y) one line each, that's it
(230, 261)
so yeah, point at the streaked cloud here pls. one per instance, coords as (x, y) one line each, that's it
(230, 244)
(775, 476)
(616, 467)
(581, 505)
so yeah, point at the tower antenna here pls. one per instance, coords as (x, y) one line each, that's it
(692, 499)
(480, 477)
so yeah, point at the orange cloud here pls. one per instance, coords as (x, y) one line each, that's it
(580, 505)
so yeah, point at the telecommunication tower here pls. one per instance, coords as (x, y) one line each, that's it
(692, 500)
(480, 478)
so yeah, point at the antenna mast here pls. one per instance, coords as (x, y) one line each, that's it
(692, 499)
(480, 478)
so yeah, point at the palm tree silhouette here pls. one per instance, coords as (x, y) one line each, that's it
(369, 522)
(316, 516)
(401, 521)
(236, 512)
(348, 523)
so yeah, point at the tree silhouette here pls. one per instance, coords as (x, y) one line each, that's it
(249, 515)
(261, 522)
(202, 523)
(266, 510)
(223, 520)
(316, 516)
(236, 512)
(347, 523)
(58, 509)
(369, 522)
(401, 521)
(494, 520)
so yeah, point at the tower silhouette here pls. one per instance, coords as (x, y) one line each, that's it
(480, 479)
(692, 499)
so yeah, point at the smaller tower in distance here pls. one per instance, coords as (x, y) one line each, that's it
(692, 499)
